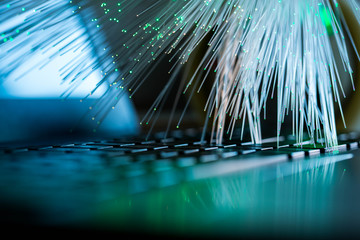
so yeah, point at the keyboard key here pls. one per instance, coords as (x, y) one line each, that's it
(297, 154)
(185, 161)
(189, 151)
(167, 140)
(267, 148)
(208, 148)
(199, 142)
(168, 154)
(161, 165)
(342, 147)
(312, 152)
(139, 150)
(167, 178)
(208, 158)
(231, 154)
(248, 151)
(178, 134)
(181, 145)
(227, 145)
(354, 136)
(134, 170)
(353, 145)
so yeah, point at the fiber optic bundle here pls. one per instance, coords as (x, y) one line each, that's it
(281, 49)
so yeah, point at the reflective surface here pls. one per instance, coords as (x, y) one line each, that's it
(315, 196)
(309, 198)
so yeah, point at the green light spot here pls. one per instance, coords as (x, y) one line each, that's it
(326, 19)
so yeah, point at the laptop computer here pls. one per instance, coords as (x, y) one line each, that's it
(114, 180)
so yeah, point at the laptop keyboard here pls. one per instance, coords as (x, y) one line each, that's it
(138, 165)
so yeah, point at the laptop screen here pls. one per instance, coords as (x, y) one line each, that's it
(41, 96)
